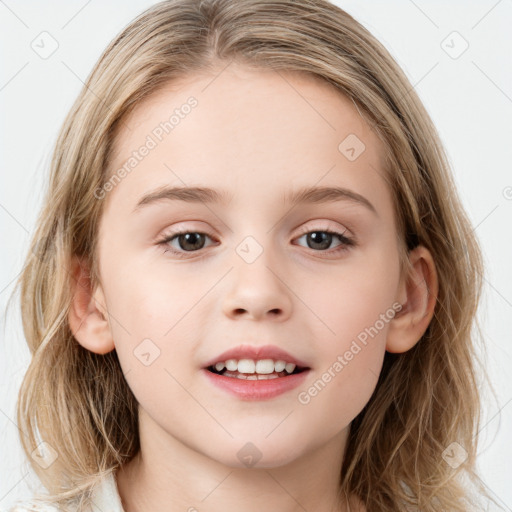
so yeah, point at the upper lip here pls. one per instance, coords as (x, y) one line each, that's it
(256, 353)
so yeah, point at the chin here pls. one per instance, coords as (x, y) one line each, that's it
(255, 455)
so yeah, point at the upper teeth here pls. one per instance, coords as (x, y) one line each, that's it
(263, 366)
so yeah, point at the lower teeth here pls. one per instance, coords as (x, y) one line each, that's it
(254, 376)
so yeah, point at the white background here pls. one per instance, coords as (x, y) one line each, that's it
(469, 99)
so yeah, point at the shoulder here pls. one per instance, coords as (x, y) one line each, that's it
(29, 506)
(105, 498)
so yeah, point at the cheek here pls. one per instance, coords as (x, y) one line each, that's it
(148, 318)
(150, 303)
(347, 371)
(337, 394)
(156, 314)
(355, 308)
(354, 296)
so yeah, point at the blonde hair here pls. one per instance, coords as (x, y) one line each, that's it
(426, 398)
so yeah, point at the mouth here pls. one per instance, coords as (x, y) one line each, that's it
(253, 385)
(277, 373)
(256, 372)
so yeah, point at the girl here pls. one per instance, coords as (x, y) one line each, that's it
(252, 284)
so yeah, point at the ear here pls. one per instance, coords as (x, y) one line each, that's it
(418, 295)
(88, 314)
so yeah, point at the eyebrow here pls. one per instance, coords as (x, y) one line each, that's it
(209, 195)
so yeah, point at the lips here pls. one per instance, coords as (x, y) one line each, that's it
(256, 353)
(266, 386)
(255, 390)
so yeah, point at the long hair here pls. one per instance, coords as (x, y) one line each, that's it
(426, 403)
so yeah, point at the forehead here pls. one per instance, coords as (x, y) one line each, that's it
(248, 128)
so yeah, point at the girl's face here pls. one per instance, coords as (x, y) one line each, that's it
(256, 268)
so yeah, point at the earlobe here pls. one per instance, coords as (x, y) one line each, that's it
(87, 315)
(418, 296)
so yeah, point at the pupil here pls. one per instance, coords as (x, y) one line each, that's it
(320, 238)
(188, 238)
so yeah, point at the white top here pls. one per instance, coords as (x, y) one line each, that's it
(105, 498)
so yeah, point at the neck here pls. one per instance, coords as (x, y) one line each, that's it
(167, 475)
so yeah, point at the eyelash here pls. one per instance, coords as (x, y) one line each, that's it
(346, 242)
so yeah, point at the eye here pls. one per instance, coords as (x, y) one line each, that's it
(187, 241)
(321, 239)
(181, 242)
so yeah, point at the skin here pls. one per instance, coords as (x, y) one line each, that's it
(258, 134)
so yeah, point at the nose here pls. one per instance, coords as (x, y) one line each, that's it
(258, 291)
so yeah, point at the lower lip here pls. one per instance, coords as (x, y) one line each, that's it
(256, 389)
